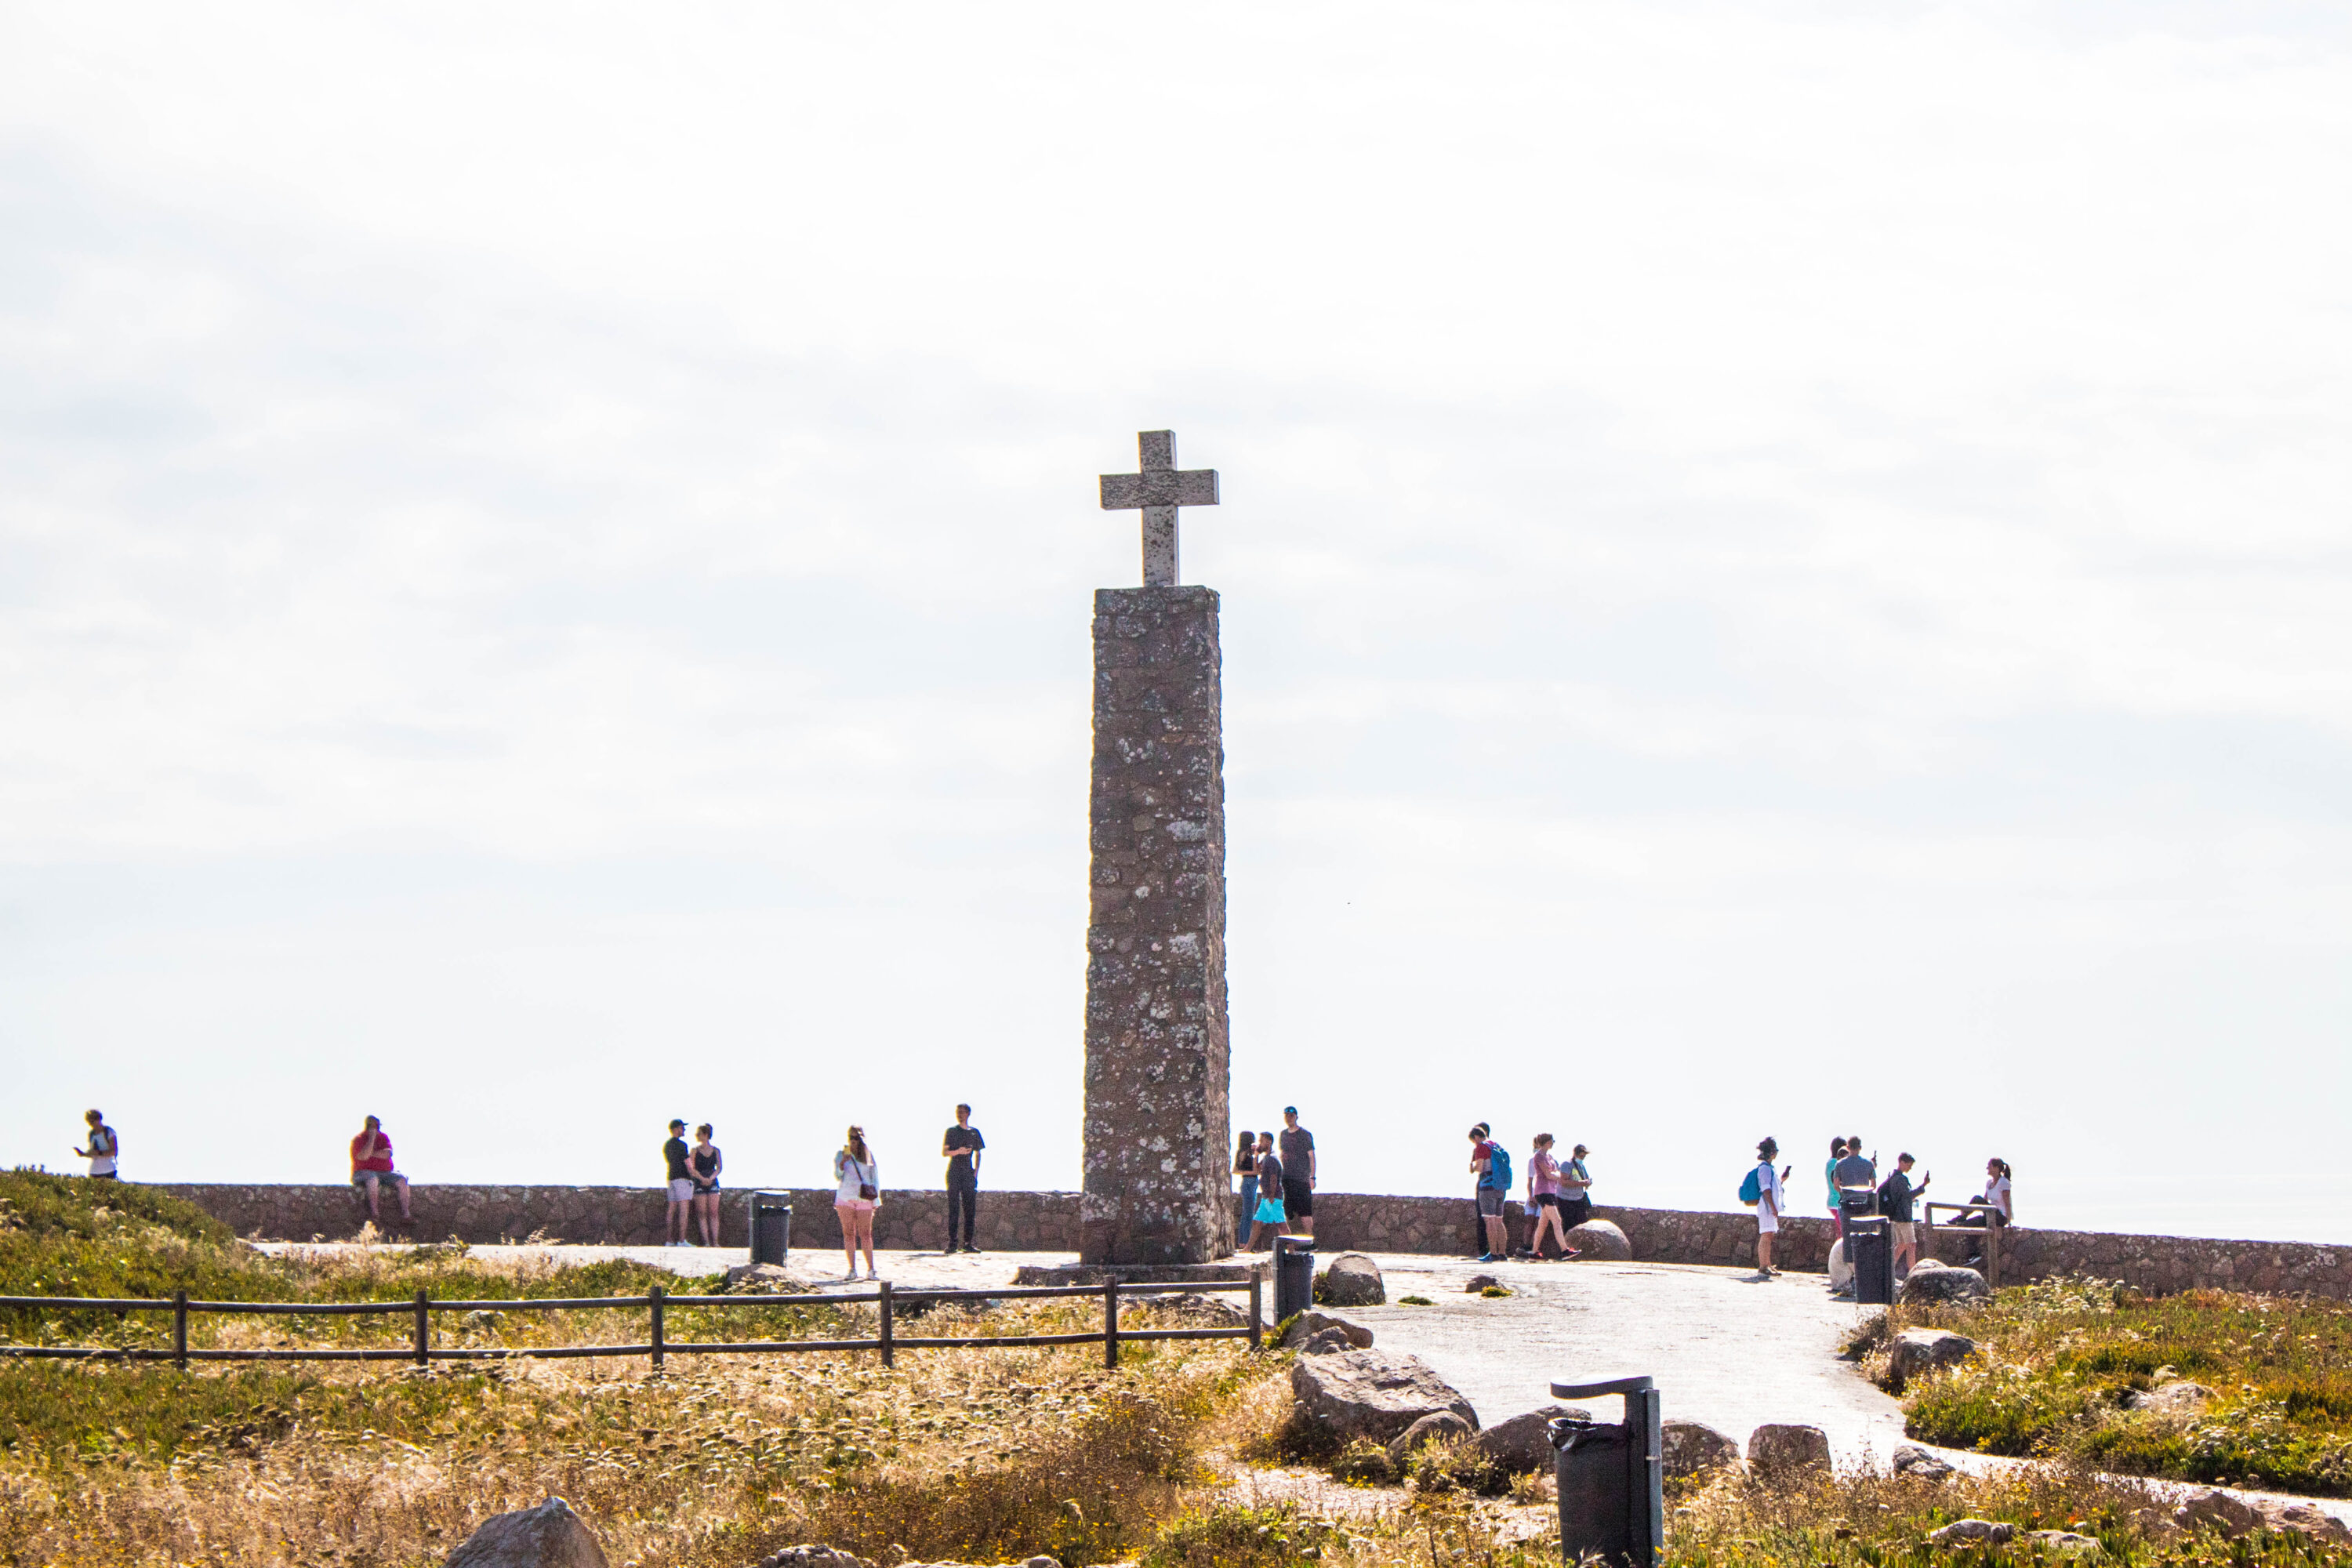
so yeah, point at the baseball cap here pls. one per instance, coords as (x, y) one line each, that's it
(1290, 1111)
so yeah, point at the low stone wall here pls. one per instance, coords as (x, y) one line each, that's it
(1048, 1222)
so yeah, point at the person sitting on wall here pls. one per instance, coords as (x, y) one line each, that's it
(372, 1167)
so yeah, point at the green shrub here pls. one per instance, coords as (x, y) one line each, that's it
(1494, 1292)
(1454, 1464)
(1231, 1536)
(1364, 1462)
(1415, 1301)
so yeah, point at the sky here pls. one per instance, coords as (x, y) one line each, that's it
(1784, 568)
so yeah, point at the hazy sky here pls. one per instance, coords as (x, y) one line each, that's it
(1785, 570)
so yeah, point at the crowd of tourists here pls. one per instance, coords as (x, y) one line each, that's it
(1855, 1190)
(1277, 1183)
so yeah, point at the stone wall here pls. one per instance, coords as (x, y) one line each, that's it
(1155, 1179)
(1048, 1222)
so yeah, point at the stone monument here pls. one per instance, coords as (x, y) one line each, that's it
(1155, 1190)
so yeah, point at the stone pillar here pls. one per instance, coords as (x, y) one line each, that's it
(1156, 1141)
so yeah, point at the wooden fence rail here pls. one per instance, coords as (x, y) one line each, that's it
(656, 1302)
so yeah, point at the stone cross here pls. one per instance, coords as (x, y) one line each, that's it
(1158, 492)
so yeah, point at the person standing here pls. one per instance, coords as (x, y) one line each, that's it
(857, 1193)
(103, 1146)
(962, 1148)
(1829, 1175)
(1544, 1200)
(1245, 1167)
(1268, 1221)
(1494, 1186)
(1857, 1181)
(1771, 1199)
(706, 1162)
(1297, 1149)
(372, 1167)
(1576, 1190)
(679, 1177)
(1896, 1195)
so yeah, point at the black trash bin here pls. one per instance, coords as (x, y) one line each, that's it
(1870, 1247)
(771, 1228)
(1612, 1476)
(1293, 1276)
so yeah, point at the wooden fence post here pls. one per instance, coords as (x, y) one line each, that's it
(1110, 1321)
(180, 1330)
(654, 1299)
(424, 1330)
(1257, 1334)
(885, 1323)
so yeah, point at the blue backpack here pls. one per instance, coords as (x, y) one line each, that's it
(1752, 1191)
(1498, 1170)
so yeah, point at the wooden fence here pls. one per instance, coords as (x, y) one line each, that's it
(656, 1302)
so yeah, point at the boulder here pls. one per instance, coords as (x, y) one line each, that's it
(1688, 1448)
(1600, 1239)
(1330, 1341)
(548, 1536)
(1840, 1269)
(813, 1557)
(1373, 1395)
(1916, 1352)
(2305, 1520)
(1478, 1282)
(771, 1278)
(1430, 1428)
(2064, 1543)
(2211, 1510)
(2171, 1399)
(1524, 1441)
(1310, 1322)
(1782, 1448)
(1921, 1464)
(1934, 1287)
(1353, 1280)
(1974, 1532)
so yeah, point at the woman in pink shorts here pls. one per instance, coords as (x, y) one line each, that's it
(859, 1193)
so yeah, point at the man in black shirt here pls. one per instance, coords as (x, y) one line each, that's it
(1895, 1193)
(681, 1184)
(962, 1148)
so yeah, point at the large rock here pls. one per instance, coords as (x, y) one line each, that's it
(1689, 1447)
(1780, 1448)
(1353, 1280)
(1974, 1532)
(1937, 1286)
(1600, 1239)
(548, 1536)
(1310, 1322)
(1921, 1465)
(2211, 1510)
(769, 1277)
(813, 1557)
(1330, 1341)
(1431, 1428)
(1916, 1352)
(1524, 1441)
(2305, 1520)
(2064, 1543)
(1373, 1395)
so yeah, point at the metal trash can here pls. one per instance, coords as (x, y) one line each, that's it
(1870, 1248)
(1293, 1276)
(1612, 1476)
(771, 1228)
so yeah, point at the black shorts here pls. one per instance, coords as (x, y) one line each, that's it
(1298, 1199)
(1574, 1211)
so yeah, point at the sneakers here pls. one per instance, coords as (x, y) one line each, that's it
(1489, 1257)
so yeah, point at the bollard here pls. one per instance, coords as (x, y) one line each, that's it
(422, 1348)
(770, 1227)
(1293, 1276)
(1612, 1477)
(1870, 1247)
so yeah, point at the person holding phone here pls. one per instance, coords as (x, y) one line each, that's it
(857, 1193)
(103, 1147)
(1772, 1198)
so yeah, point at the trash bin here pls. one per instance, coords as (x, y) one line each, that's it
(1612, 1476)
(1293, 1276)
(771, 1228)
(1870, 1248)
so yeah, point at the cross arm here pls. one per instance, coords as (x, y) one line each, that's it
(1159, 487)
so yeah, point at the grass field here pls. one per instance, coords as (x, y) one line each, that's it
(2059, 1357)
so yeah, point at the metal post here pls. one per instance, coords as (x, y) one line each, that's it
(1110, 1322)
(424, 1329)
(1257, 1333)
(885, 1323)
(654, 1299)
(180, 1330)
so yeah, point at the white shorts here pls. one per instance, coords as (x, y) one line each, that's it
(1766, 1222)
(681, 1188)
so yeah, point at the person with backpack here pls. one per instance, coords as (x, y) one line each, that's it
(1897, 1195)
(1762, 1191)
(1492, 1162)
